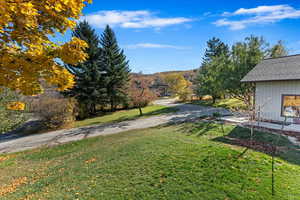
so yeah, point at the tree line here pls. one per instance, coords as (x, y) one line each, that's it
(223, 67)
(103, 78)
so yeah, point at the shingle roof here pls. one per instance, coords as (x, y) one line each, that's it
(283, 68)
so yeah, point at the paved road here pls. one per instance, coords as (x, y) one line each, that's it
(185, 112)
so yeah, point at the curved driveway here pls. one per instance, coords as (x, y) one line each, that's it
(185, 112)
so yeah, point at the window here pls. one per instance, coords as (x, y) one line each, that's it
(290, 106)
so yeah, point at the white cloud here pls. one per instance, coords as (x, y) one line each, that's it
(262, 9)
(156, 46)
(132, 19)
(258, 15)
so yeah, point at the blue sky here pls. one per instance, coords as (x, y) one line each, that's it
(171, 34)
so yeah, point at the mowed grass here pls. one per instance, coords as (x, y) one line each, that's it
(187, 161)
(125, 115)
(223, 103)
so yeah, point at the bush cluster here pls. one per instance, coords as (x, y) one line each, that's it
(55, 112)
(10, 114)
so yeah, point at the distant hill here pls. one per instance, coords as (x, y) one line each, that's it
(156, 83)
(188, 74)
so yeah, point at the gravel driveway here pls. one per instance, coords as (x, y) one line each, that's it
(185, 112)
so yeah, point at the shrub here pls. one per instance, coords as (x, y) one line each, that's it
(206, 98)
(216, 115)
(185, 94)
(140, 95)
(82, 111)
(55, 112)
(11, 114)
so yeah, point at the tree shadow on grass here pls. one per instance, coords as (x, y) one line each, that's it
(210, 103)
(235, 135)
(136, 116)
(222, 103)
(35, 127)
(59, 137)
(199, 129)
(203, 102)
(120, 119)
(161, 111)
(28, 128)
(262, 142)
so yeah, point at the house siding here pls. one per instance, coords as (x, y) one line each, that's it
(268, 97)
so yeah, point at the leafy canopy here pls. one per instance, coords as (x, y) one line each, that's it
(245, 56)
(222, 69)
(27, 54)
(278, 50)
(178, 85)
(139, 93)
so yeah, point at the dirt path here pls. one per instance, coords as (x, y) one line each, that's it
(185, 112)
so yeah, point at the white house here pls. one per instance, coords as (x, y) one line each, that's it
(277, 93)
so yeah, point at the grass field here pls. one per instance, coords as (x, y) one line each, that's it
(224, 103)
(125, 115)
(187, 161)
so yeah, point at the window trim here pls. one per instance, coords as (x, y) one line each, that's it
(282, 99)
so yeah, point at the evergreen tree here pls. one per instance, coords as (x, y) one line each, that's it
(208, 79)
(116, 69)
(222, 70)
(89, 89)
(215, 48)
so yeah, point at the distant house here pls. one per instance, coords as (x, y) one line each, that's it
(160, 89)
(277, 93)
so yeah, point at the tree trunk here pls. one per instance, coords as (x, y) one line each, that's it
(213, 100)
(93, 109)
(112, 105)
(102, 108)
(141, 112)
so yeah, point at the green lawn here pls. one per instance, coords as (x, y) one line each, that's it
(125, 115)
(224, 103)
(187, 161)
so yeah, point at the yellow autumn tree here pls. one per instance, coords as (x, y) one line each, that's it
(27, 55)
(178, 85)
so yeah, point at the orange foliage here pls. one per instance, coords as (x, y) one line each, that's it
(140, 94)
(13, 186)
(91, 160)
(17, 105)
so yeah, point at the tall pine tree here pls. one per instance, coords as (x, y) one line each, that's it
(215, 48)
(89, 89)
(116, 69)
(208, 79)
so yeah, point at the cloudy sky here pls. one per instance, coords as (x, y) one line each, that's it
(160, 35)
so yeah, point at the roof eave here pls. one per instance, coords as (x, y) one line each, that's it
(270, 80)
